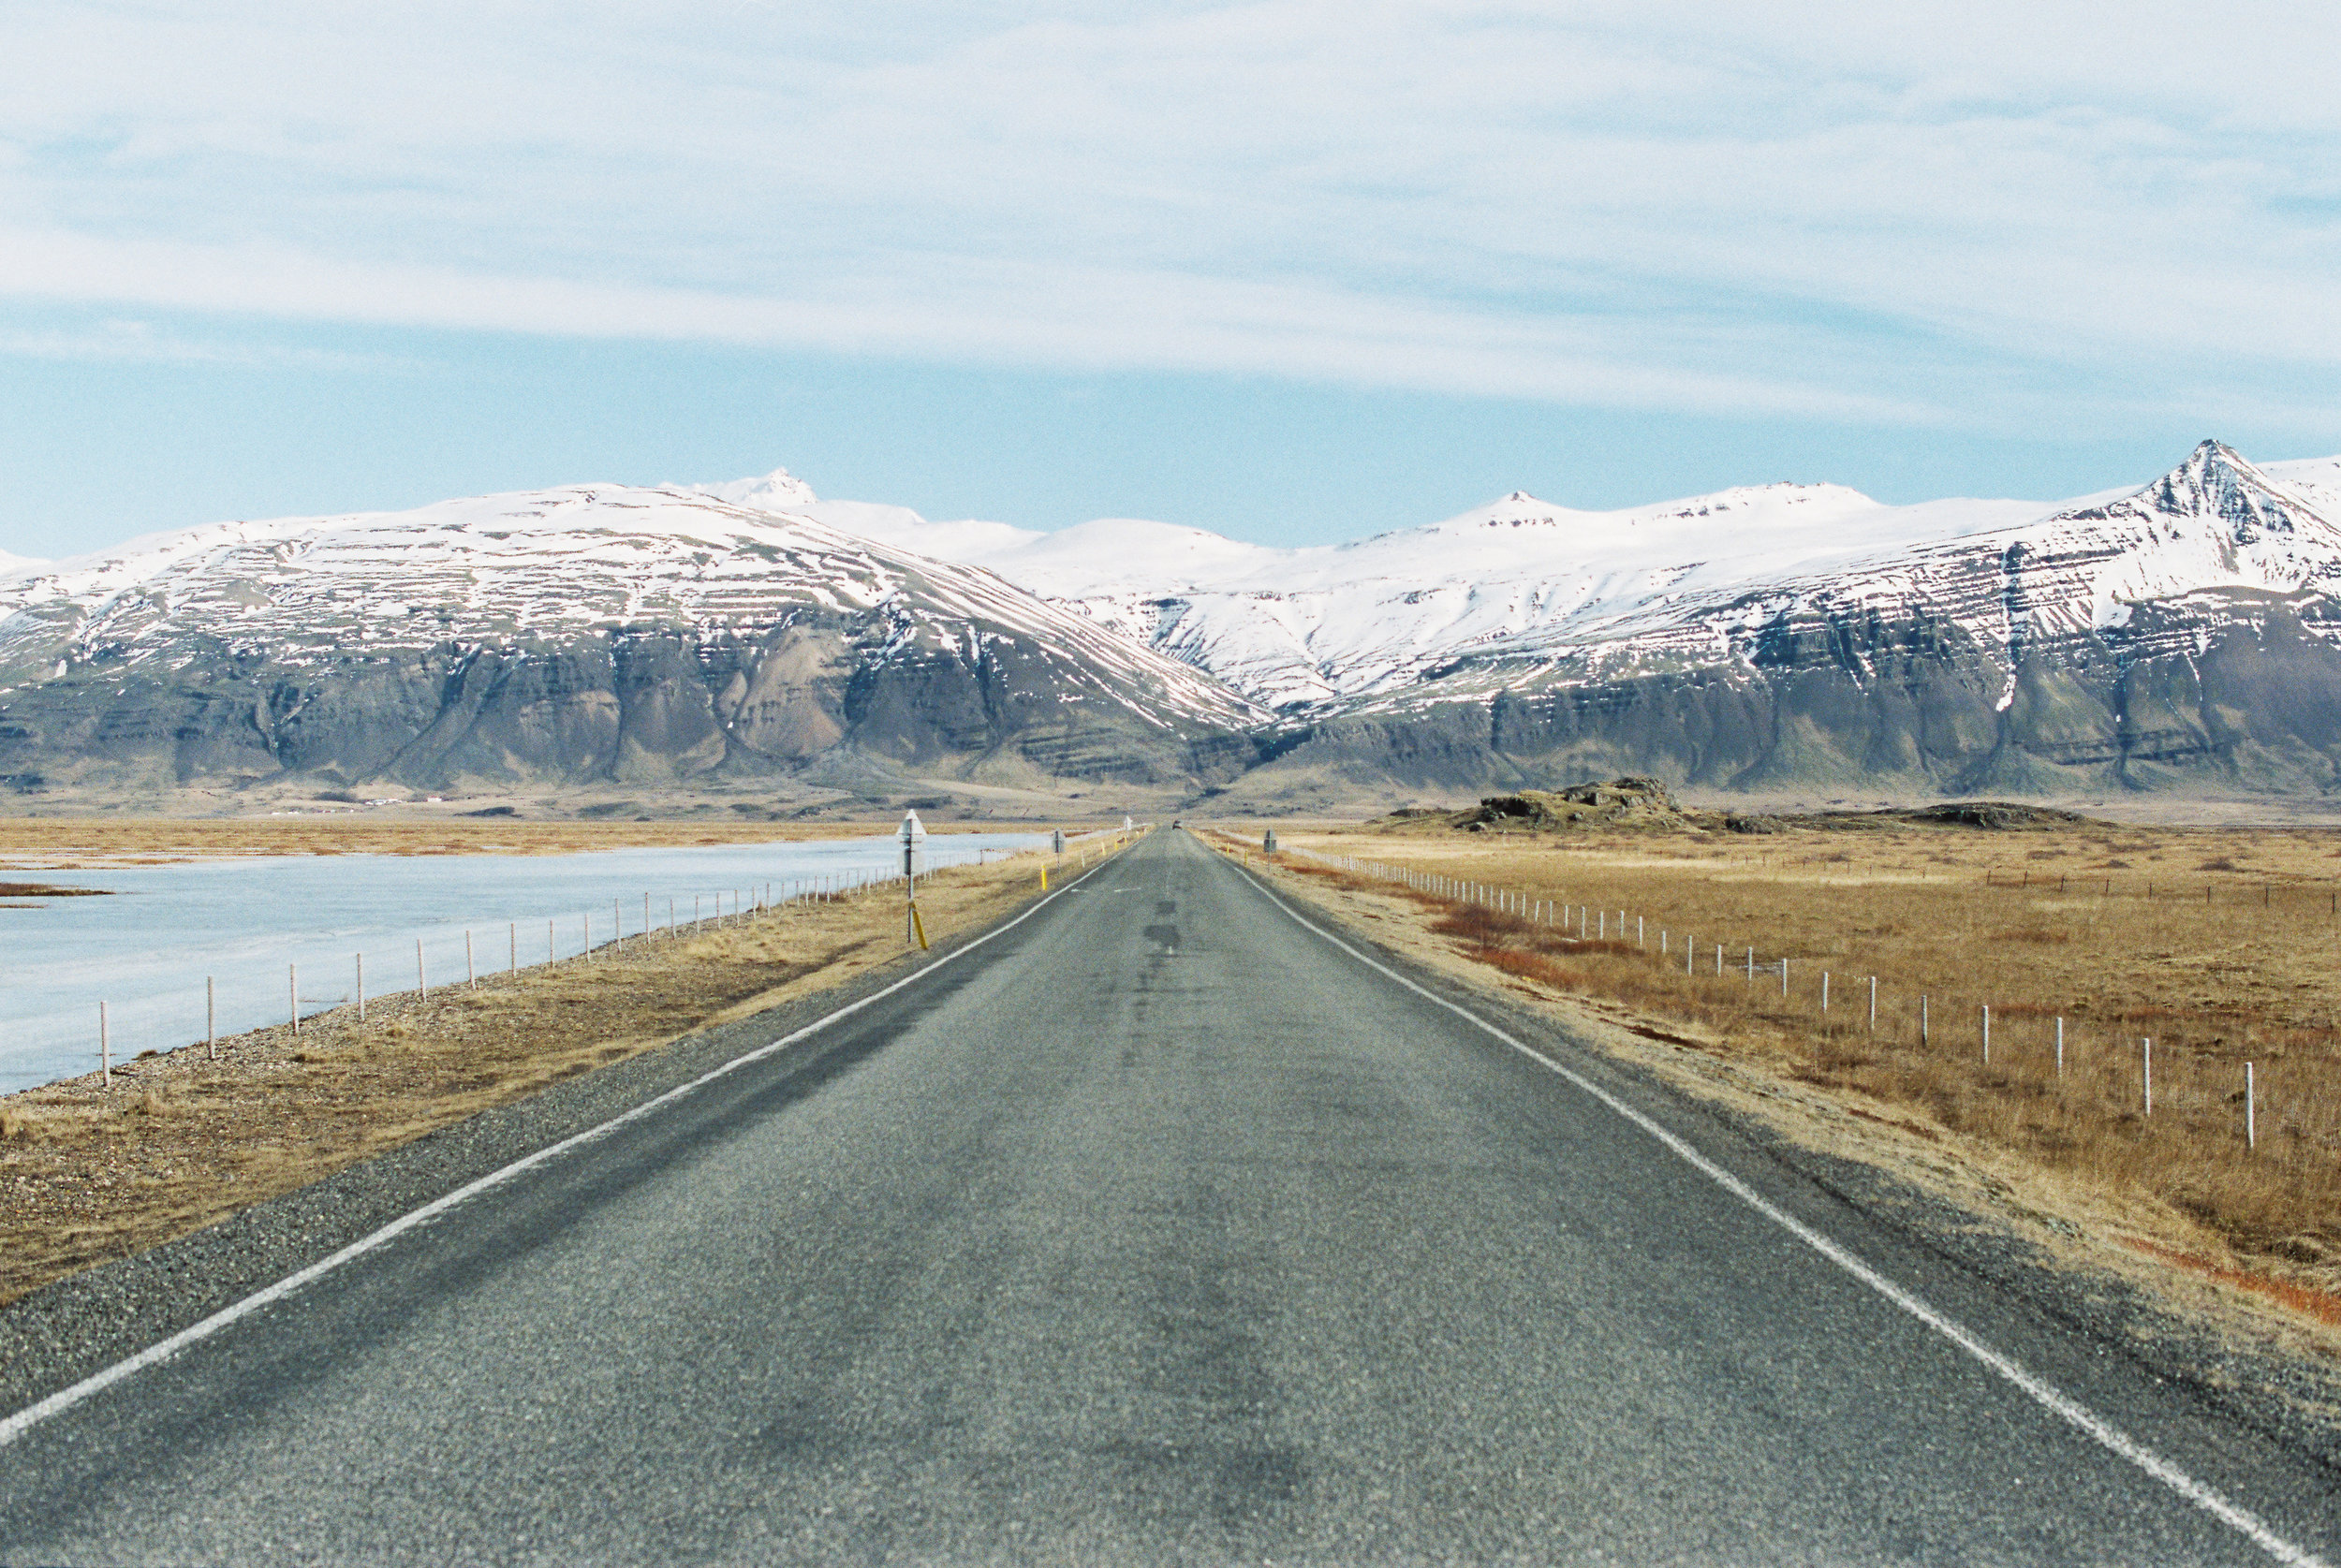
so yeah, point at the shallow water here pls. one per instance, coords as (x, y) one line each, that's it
(147, 950)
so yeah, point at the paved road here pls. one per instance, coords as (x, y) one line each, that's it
(1159, 1229)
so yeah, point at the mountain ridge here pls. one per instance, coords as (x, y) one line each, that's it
(2179, 636)
(1793, 635)
(558, 637)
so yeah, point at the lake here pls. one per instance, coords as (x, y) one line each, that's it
(146, 948)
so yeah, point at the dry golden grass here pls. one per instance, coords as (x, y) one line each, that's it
(56, 843)
(177, 1141)
(2223, 946)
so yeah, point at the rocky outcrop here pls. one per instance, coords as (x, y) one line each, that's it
(1630, 802)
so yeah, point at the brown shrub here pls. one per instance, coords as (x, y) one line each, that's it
(1477, 923)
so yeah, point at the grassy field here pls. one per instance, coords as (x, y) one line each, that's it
(90, 1172)
(2220, 946)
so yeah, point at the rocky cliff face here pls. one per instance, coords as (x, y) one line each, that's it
(2186, 636)
(592, 633)
(1798, 637)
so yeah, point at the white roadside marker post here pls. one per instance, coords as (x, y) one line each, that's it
(422, 981)
(361, 960)
(2251, 1108)
(2060, 1048)
(104, 1049)
(2148, 1043)
(293, 992)
(1987, 1034)
(913, 834)
(211, 1021)
(471, 970)
(1873, 1004)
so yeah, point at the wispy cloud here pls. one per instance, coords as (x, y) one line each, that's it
(1843, 210)
(121, 339)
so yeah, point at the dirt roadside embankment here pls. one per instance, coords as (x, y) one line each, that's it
(179, 1141)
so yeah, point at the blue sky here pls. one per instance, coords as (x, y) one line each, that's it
(1293, 270)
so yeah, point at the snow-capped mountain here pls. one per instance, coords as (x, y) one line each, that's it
(2013, 576)
(1521, 605)
(567, 633)
(1522, 580)
(777, 491)
(13, 568)
(2183, 634)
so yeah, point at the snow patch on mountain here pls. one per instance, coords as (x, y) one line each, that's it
(969, 541)
(14, 570)
(577, 559)
(777, 491)
(2315, 480)
(1523, 590)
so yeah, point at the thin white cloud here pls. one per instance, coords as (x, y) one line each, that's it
(1840, 210)
(1092, 319)
(122, 340)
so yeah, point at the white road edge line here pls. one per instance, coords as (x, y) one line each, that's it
(16, 1426)
(2046, 1394)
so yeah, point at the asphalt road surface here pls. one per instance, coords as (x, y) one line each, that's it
(1159, 1228)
